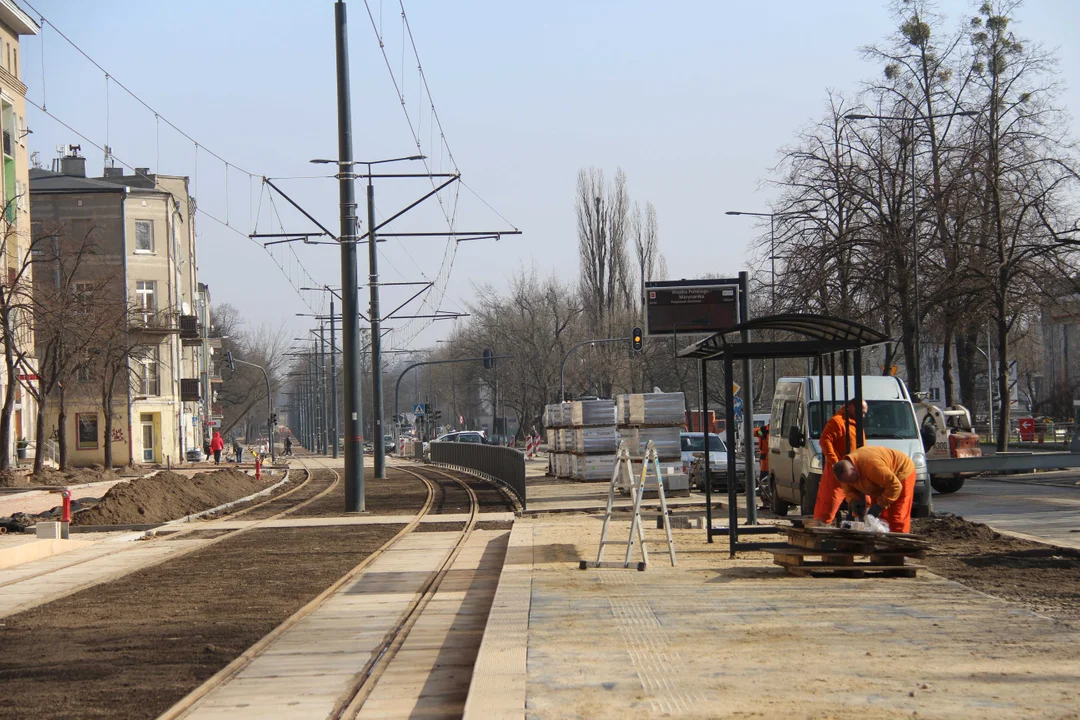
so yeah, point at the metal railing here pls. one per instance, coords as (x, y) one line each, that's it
(503, 465)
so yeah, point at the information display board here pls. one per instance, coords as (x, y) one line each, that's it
(688, 307)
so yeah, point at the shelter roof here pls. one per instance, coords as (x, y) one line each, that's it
(824, 333)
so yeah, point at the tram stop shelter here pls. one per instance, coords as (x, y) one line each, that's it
(823, 337)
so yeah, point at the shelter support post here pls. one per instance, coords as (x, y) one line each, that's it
(732, 483)
(705, 430)
(748, 407)
(860, 421)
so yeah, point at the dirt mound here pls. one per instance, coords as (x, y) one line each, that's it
(949, 528)
(75, 476)
(1043, 578)
(10, 478)
(167, 496)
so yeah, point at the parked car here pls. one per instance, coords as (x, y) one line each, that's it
(795, 459)
(389, 444)
(462, 436)
(692, 447)
(194, 454)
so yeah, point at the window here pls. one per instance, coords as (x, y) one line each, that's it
(146, 371)
(145, 298)
(935, 394)
(144, 236)
(15, 52)
(82, 373)
(87, 428)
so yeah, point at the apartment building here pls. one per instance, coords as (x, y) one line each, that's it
(141, 228)
(15, 221)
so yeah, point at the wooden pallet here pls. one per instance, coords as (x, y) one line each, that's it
(833, 539)
(800, 562)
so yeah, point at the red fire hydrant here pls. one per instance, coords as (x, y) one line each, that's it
(258, 467)
(65, 514)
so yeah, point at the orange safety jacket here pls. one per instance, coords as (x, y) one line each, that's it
(882, 472)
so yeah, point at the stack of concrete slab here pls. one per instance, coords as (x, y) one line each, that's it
(593, 440)
(556, 423)
(659, 418)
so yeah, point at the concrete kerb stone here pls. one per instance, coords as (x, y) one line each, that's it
(497, 689)
(219, 508)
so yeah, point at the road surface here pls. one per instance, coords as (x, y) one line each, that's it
(1042, 506)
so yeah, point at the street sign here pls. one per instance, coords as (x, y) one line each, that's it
(687, 307)
(213, 423)
(738, 405)
(418, 409)
(735, 388)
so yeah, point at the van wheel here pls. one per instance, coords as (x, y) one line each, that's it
(778, 506)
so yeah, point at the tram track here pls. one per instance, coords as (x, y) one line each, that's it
(349, 704)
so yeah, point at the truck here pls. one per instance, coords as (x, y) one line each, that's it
(946, 433)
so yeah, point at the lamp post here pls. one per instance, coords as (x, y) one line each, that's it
(376, 321)
(772, 256)
(917, 370)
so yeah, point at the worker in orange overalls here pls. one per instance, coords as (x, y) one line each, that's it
(762, 435)
(833, 447)
(887, 476)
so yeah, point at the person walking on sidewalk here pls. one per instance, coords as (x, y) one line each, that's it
(238, 450)
(288, 445)
(216, 446)
(837, 440)
(887, 476)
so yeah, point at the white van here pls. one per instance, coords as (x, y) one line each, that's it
(795, 460)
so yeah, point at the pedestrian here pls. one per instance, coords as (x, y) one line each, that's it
(206, 448)
(288, 445)
(762, 435)
(216, 446)
(837, 440)
(887, 476)
(238, 450)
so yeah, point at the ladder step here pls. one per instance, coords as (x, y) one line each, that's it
(614, 542)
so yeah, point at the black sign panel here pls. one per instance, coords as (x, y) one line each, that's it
(697, 306)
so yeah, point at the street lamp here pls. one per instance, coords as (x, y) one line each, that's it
(772, 256)
(849, 117)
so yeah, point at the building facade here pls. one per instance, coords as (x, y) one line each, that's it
(15, 223)
(140, 229)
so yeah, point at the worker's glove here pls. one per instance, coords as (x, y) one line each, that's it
(875, 510)
(857, 507)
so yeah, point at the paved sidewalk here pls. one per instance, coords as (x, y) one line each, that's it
(738, 638)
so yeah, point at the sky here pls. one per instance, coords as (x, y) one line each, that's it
(693, 100)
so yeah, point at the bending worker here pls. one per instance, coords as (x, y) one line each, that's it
(884, 474)
(838, 438)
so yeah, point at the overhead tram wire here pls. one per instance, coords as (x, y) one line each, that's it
(198, 209)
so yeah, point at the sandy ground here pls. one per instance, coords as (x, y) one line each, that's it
(716, 637)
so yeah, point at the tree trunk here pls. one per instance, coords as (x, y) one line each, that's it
(61, 425)
(1003, 376)
(42, 436)
(947, 366)
(966, 344)
(107, 406)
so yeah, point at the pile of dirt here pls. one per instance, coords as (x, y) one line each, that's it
(1042, 578)
(11, 478)
(74, 476)
(167, 496)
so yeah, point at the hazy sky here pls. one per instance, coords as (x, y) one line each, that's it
(691, 100)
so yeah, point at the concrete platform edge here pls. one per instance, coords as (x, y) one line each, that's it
(497, 689)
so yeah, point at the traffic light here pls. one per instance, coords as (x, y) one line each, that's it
(273, 418)
(489, 359)
(229, 361)
(636, 339)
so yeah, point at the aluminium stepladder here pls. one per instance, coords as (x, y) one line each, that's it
(638, 486)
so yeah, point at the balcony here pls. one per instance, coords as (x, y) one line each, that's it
(157, 322)
(190, 390)
(189, 329)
